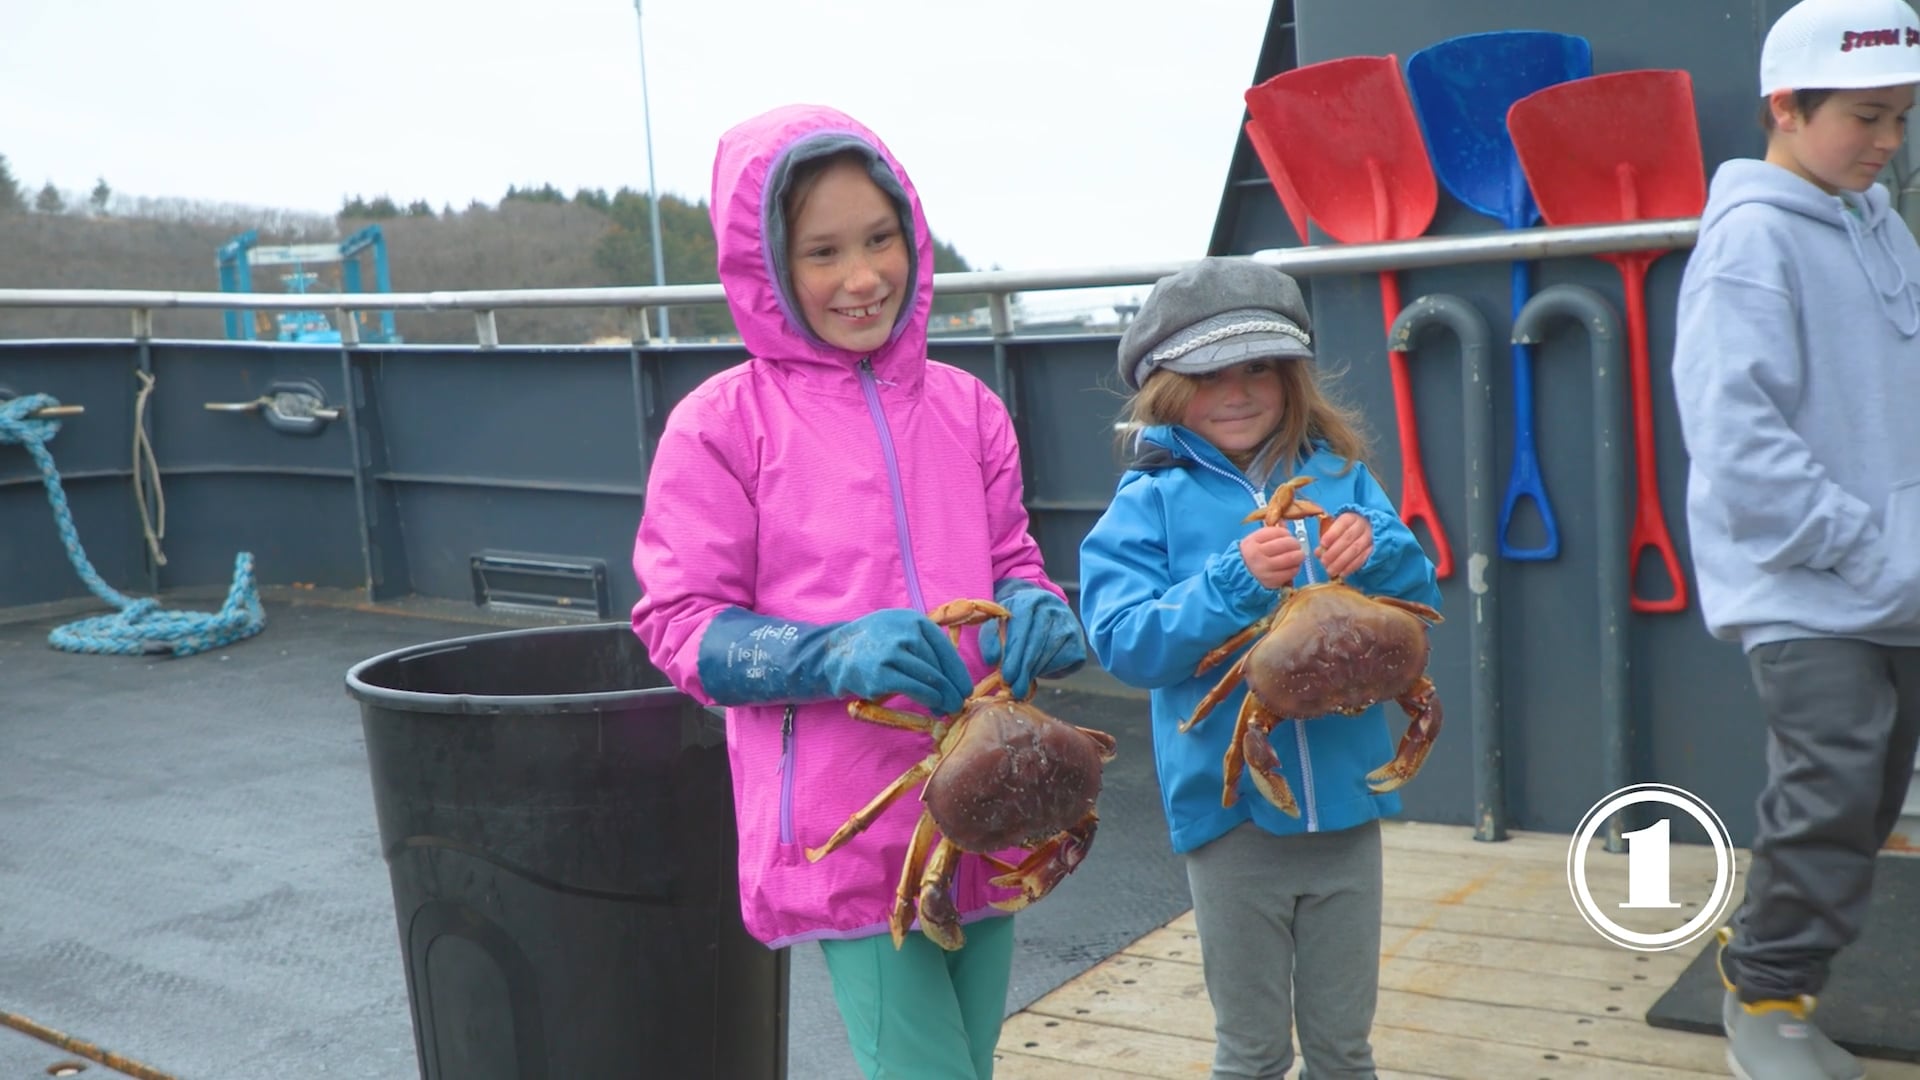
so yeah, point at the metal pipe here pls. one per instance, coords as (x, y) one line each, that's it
(653, 196)
(1002, 320)
(1581, 305)
(1483, 536)
(1529, 245)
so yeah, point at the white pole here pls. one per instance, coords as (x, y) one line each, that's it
(653, 196)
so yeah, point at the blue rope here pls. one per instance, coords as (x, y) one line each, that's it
(139, 626)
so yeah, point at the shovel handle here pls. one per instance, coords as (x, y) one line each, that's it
(1649, 520)
(1525, 482)
(1415, 502)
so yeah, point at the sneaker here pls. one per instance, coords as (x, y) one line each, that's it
(1775, 1040)
(1778, 1040)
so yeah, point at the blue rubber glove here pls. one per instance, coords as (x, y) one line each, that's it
(748, 659)
(1043, 638)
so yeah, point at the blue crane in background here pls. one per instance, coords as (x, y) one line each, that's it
(239, 256)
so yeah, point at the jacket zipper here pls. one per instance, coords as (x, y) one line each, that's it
(869, 387)
(786, 776)
(893, 480)
(1299, 531)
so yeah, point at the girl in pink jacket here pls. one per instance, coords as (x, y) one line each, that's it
(804, 511)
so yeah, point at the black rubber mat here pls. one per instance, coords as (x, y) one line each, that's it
(1871, 1004)
(190, 873)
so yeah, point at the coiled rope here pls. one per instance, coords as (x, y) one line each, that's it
(139, 626)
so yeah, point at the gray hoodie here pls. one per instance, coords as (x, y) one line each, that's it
(1797, 369)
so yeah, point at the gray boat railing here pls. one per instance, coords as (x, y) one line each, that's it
(390, 459)
(1516, 245)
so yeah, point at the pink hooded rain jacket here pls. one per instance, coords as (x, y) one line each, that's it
(805, 484)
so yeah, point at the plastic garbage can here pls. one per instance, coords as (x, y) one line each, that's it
(558, 824)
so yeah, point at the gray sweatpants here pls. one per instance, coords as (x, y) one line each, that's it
(1843, 719)
(1290, 929)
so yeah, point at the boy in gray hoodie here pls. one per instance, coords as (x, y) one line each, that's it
(1797, 371)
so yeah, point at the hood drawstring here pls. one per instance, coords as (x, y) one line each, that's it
(1903, 287)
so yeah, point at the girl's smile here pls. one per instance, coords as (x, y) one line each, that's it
(848, 259)
(1236, 408)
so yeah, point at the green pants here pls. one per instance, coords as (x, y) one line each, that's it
(922, 1013)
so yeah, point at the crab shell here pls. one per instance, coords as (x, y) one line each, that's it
(1015, 777)
(1334, 649)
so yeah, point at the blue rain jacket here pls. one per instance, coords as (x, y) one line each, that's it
(1163, 583)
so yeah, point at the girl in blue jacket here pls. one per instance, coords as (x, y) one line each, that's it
(1226, 408)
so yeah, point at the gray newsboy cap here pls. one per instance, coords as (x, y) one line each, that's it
(1218, 312)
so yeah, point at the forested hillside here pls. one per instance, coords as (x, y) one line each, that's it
(536, 237)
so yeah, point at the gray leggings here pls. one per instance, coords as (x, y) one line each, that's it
(1290, 929)
(1843, 718)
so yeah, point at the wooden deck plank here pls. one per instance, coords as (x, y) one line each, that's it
(1134, 997)
(1137, 1052)
(1468, 982)
(1034, 1047)
(1600, 963)
(1487, 971)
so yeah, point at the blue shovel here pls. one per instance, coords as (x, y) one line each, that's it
(1462, 88)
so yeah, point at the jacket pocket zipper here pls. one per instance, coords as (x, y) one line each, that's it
(786, 776)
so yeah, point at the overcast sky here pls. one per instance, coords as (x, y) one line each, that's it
(1040, 132)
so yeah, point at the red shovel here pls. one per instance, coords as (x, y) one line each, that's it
(1357, 164)
(1615, 148)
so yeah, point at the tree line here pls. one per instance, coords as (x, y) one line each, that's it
(533, 237)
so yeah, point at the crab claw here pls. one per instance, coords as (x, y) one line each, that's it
(1284, 505)
(910, 879)
(967, 613)
(955, 614)
(939, 918)
(1422, 705)
(1046, 866)
(1265, 766)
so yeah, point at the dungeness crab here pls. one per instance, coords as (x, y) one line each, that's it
(1325, 648)
(1002, 775)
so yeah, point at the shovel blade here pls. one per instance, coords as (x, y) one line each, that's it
(1462, 88)
(1612, 148)
(1351, 146)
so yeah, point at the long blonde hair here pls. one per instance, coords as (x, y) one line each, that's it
(1309, 413)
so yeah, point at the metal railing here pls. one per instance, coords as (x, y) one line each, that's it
(1517, 245)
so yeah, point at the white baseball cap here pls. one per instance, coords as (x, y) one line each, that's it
(1842, 45)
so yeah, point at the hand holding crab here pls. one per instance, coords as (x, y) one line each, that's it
(1325, 648)
(1002, 774)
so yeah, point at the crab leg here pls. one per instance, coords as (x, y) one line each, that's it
(955, 614)
(939, 918)
(1048, 864)
(1109, 746)
(903, 893)
(1232, 645)
(874, 713)
(1284, 504)
(1414, 608)
(1219, 693)
(993, 683)
(1265, 764)
(1235, 758)
(1422, 705)
(865, 816)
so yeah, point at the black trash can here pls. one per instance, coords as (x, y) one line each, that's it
(558, 823)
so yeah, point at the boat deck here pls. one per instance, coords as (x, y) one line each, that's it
(190, 877)
(1487, 970)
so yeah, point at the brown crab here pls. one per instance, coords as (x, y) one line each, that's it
(1325, 648)
(1002, 774)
